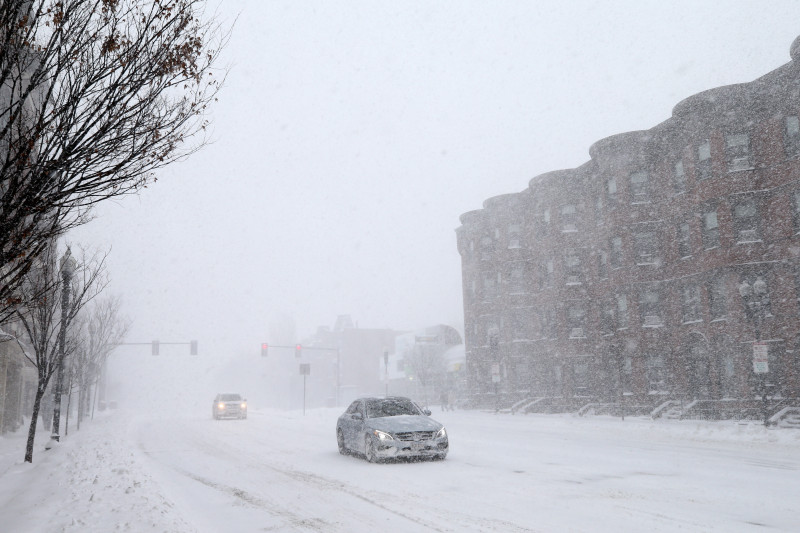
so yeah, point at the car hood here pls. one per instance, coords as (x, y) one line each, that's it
(404, 423)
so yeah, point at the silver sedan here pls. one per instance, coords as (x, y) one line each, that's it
(387, 428)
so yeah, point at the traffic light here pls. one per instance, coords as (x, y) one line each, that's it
(193, 348)
(298, 350)
(264, 349)
(155, 347)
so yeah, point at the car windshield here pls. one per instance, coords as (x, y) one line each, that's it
(391, 407)
(230, 398)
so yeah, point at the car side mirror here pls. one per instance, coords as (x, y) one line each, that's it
(427, 412)
(357, 416)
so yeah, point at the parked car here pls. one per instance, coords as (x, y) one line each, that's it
(229, 406)
(386, 428)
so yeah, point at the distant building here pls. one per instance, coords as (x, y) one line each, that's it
(17, 380)
(425, 363)
(347, 361)
(621, 281)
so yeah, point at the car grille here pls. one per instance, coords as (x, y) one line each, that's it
(412, 436)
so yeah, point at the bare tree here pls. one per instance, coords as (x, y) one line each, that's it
(47, 316)
(95, 95)
(100, 329)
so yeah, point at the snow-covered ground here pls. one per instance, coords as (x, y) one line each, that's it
(280, 471)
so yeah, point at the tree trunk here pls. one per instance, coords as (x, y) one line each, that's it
(37, 401)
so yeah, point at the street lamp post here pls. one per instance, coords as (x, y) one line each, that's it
(67, 268)
(756, 300)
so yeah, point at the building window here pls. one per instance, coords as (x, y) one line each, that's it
(549, 326)
(602, 265)
(763, 302)
(576, 320)
(646, 247)
(704, 161)
(487, 248)
(622, 311)
(572, 267)
(656, 373)
(518, 326)
(792, 136)
(545, 274)
(650, 307)
(737, 152)
(690, 303)
(607, 318)
(717, 298)
(627, 375)
(517, 278)
(616, 251)
(640, 188)
(546, 216)
(684, 240)
(745, 221)
(679, 178)
(611, 191)
(580, 374)
(489, 286)
(569, 218)
(513, 236)
(727, 373)
(710, 230)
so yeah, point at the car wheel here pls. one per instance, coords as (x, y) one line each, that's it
(369, 450)
(340, 442)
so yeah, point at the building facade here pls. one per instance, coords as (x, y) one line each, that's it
(648, 273)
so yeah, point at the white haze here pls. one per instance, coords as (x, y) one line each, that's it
(352, 135)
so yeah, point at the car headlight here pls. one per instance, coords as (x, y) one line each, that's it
(244, 406)
(382, 435)
(442, 434)
(220, 406)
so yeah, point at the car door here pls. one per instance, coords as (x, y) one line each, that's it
(352, 424)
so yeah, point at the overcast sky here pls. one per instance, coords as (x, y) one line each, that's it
(351, 135)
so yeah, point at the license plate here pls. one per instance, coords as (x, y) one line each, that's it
(417, 446)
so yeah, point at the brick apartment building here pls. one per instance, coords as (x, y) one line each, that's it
(621, 282)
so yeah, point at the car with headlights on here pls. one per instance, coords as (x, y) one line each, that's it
(229, 405)
(390, 428)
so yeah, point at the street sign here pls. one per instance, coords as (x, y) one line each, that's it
(305, 369)
(495, 372)
(760, 357)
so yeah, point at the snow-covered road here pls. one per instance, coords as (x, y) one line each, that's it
(280, 471)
